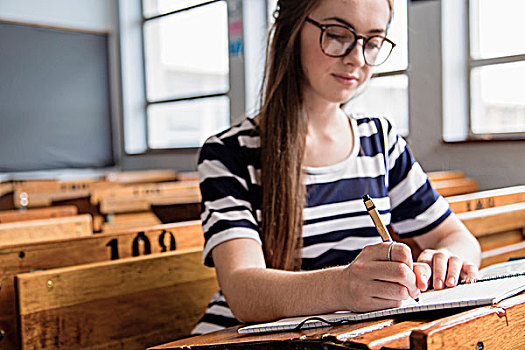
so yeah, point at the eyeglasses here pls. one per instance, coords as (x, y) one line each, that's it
(338, 40)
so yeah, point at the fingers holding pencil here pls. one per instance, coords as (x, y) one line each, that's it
(402, 253)
(382, 283)
(404, 256)
(415, 278)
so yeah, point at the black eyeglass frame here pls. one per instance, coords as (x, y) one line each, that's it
(324, 27)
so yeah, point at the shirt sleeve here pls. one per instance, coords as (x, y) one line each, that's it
(227, 212)
(416, 207)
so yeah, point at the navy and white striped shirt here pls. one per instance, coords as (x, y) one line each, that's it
(336, 224)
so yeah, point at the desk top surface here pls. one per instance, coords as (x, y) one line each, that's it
(499, 326)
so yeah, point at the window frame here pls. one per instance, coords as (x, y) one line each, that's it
(148, 103)
(473, 63)
(396, 73)
(232, 95)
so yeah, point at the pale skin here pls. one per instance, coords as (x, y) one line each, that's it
(371, 282)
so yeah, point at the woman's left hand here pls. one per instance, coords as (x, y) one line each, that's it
(447, 269)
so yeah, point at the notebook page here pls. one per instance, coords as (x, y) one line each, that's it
(504, 268)
(475, 294)
(488, 290)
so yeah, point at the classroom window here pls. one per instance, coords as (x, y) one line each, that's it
(186, 71)
(186, 123)
(497, 68)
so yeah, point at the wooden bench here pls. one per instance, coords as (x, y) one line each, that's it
(45, 229)
(139, 197)
(5, 187)
(188, 176)
(6, 195)
(499, 230)
(100, 197)
(129, 303)
(121, 222)
(175, 212)
(486, 222)
(445, 175)
(487, 199)
(452, 182)
(455, 186)
(502, 254)
(47, 193)
(118, 205)
(132, 205)
(142, 176)
(21, 258)
(35, 214)
(42, 193)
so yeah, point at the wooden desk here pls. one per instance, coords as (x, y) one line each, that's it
(142, 176)
(129, 303)
(455, 187)
(5, 188)
(487, 199)
(45, 229)
(37, 214)
(446, 175)
(40, 256)
(489, 327)
(6, 195)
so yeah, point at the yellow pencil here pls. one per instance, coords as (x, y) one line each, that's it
(372, 211)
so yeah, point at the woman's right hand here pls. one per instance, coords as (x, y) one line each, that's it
(373, 282)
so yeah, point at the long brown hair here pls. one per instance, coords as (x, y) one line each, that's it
(283, 125)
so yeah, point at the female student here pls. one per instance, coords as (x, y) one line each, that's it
(283, 218)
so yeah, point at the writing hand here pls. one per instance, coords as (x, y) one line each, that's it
(447, 269)
(376, 283)
(423, 273)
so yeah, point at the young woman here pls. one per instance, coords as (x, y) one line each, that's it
(284, 222)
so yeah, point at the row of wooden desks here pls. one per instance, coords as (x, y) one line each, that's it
(501, 326)
(113, 205)
(126, 290)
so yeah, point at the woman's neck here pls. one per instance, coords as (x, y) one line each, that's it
(329, 138)
(322, 116)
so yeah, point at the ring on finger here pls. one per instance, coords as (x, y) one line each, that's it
(389, 254)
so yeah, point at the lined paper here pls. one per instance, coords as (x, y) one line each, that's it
(466, 295)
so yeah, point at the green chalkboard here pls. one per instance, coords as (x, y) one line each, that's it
(55, 108)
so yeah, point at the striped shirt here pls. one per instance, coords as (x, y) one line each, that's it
(336, 225)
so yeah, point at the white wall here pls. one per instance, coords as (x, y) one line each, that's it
(97, 15)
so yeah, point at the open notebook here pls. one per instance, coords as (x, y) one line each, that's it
(466, 295)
